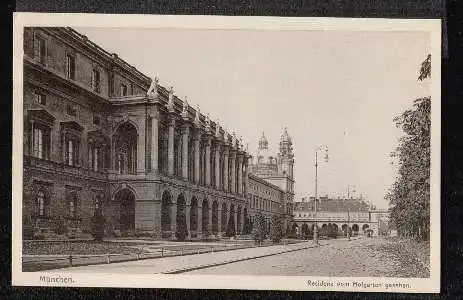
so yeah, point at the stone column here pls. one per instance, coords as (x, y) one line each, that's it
(157, 220)
(173, 220)
(141, 146)
(209, 224)
(233, 171)
(208, 161)
(246, 173)
(219, 220)
(154, 142)
(240, 174)
(196, 142)
(185, 133)
(187, 217)
(170, 146)
(235, 218)
(199, 230)
(225, 168)
(217, 165)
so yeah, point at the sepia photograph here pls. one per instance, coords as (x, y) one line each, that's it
(226, 152)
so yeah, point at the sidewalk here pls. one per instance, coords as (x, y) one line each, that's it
(179, 264)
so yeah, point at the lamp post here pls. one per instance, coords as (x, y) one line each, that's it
(317, 149)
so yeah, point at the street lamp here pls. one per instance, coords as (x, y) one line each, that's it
(317, 149)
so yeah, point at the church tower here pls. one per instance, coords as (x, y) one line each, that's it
(262, 150)
(286, 156)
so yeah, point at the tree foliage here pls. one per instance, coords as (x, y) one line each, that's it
(409, 196)
(276, 229)
(259, 227)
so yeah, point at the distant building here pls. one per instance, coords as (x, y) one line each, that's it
(354, 213)
(276, 176)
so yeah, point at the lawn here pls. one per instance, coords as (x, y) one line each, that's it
(88, 247)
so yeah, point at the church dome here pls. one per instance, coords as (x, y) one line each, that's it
(263, 143)
(285, 138)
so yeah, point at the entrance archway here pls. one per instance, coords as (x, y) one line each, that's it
(126, 200)
(194, 217)
(238, 220)
(355, 229)
(215, 217)
(166, 208)
(205, 220)
(224, 218)
(181, 228)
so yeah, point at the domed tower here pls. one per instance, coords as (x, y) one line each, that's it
(262, 150)
(286, 156)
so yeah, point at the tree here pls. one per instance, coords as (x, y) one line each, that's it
(409, 197)
(276, 229)
(259, 227)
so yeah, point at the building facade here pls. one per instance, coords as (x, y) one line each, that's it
(101, 139)
(353, 213)
(275, 193)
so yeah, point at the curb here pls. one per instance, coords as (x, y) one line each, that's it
(183, 270)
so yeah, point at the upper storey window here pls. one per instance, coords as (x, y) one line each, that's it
(40, 48)
(40, 141)
(96, 80)
(123, 90)
(70, 66)
(40, 98)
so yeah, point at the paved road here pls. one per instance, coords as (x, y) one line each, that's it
(365, 257)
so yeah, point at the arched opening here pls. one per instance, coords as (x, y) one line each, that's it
(224, 218)
(305, 230)
(181, 228)
(365, 226)
(194, 217)
(126, 149)
(355, 229)
(231, 222)
(215, 217)
(344, 228)
(238, 220)
(126, 200)
(166, 208)
(205, 220)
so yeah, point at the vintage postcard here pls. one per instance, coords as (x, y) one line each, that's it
(218, 152)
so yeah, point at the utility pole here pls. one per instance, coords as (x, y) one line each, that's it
(315, 230)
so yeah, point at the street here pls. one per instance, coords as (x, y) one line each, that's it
(360, 257)
(368, 257)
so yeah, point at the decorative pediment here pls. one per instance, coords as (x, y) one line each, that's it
(41, 115)
(72, 125)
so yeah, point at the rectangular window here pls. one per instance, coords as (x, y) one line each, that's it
(40, 49)
(72, 152)
(123, 90)
(70, 66)
(40, 98)
(96, 120)
(71, 110)
(72, 209)
(40, 141)
(96, 80)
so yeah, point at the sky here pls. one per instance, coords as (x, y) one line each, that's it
(338, 88)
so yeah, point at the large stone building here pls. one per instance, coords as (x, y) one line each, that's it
(102, 139)
(274, 177)
(353, 213)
